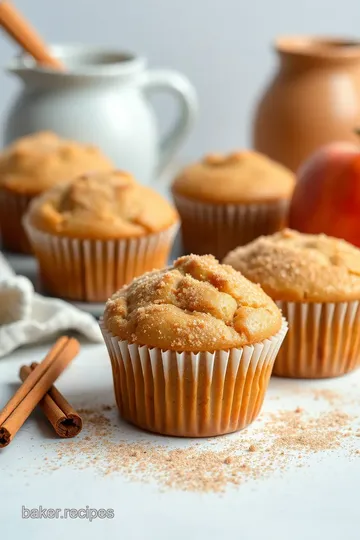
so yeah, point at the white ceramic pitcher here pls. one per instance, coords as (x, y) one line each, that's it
(102, 99)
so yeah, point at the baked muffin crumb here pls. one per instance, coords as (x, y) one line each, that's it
(102, 206)
(36, 162)
(291, 266)
(245, 177)
(195, 305)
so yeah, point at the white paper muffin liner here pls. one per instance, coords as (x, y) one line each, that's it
(13, 206)
(323, 339)
(191, 394)
(92, 270)
(219, 228)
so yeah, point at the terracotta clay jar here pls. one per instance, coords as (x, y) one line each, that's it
(314, 99)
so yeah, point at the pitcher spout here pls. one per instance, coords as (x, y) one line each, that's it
(24, 71)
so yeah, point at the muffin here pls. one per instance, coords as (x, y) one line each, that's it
(32, 165)
(96, 233)
(192, 348)
(315, 281)
(227, 201)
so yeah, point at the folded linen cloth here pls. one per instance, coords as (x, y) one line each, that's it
(27, 317)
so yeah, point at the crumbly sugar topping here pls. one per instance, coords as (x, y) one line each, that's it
(291, 266)
(198, 304)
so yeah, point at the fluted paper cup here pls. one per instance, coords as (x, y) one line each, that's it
(92, 270)
(323, 340)
(13, 206)
(219, 228)
(191, 394)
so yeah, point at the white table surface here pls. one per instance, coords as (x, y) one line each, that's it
(319, 500)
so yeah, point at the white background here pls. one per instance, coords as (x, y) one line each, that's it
(223, 46)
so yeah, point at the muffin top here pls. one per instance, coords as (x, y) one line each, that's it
(240, 177)
(35, 163)
(293, 267)
(101, 206)
(196, 305)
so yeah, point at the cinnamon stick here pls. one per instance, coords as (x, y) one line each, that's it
(61, 415)
(26, 36)
(34, 388)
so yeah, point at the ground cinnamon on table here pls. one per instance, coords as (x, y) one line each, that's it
(282, 439)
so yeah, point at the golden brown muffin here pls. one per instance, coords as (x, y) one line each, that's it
(227, 201)
(315, 280)
(102, 206)
(301, 267)
(192, 348)
(35, 163)
(32, 165)
(96, 233)
(241, 177)
(196, 305)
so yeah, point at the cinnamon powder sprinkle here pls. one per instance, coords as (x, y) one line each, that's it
(329, 395)
(270, 446)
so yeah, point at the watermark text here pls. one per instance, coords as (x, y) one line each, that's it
(87, 513)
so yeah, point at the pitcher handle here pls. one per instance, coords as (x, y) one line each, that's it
(183, 90)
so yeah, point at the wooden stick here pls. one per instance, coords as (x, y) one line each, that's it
(39, 382)
(26, 36)
(25, 388)
(64, 419)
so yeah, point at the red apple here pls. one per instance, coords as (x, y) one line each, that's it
(327, 194)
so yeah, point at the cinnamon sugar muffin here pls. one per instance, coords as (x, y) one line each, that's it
(96, 233)
(315, 280)
(192, 348)
(32, 165)
(228, 200)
